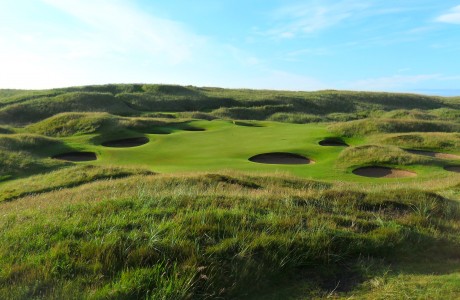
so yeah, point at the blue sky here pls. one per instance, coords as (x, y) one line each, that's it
(410, 45)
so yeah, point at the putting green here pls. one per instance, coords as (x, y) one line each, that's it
(224, 145)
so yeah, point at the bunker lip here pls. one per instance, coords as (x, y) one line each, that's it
(159, 130)
(382, 172)
(193, 129)
(455, 169)
(126, 143)
(433, 154)
(76, 156)
(333, 142)
(247, 124)
(281, 158)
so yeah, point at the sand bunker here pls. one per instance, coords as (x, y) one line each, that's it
(281, 159)
(76, 156)
(383, 172)
(247, 124)
(160, 131)
(126, 143)
(455, 169)
(434, 154)
(193, 129)
(333, 142)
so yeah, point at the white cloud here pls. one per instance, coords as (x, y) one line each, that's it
(452, 17)
(113, 41)
(116, 26)
(307, 18)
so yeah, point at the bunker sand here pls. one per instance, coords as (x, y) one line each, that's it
(333, 143)
(383, 172)
(126, 143)
(76, 156)
(434, 154)
(280, 158)
(455, 169)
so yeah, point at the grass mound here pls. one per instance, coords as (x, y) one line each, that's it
(20, 163)
(106, 232)
(26, 154)
(200, 237)
(39, 109)
(372, 126)
(68, 124)
(64, 178)
(297, 118)
(379, 155)
(25, 107)
(433, 141)
(5, 130)
(440, 114)
(433, 154)
(28, 142)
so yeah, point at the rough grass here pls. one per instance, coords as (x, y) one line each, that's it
(379, 155)
(64, 178)
(104, 232)
(68, 124)
(372, 126)
(27, 142)
(297, 118)
(25, 107)
(34, 110)
(429, 141)
(25, 154)
(21, 163)
(72, 124)
(5, 130)
(208, 236)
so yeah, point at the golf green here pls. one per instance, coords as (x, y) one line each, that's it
(225, 145)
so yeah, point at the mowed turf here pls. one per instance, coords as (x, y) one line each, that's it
(225, 145)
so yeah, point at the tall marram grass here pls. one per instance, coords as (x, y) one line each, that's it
(372, 126)
(422, 140)
(26, 107)
(379, 155)
(207, 236)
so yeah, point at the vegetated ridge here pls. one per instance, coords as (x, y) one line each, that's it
(171, 206)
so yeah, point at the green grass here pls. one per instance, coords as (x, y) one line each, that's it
(175, 237)
(188, 216)
(380, 155)
(65, 178)
(421, 140)
(24, 107)
(373, 126)
(225, 145)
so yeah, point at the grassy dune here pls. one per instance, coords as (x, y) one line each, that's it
(186, 215)
(26, 107)
(422, 140)
(201, 236)
(373, 126)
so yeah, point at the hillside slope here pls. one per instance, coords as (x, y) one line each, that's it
(153, 192)
(23, 107)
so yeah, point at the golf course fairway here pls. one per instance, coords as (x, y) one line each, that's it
(224, 145)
